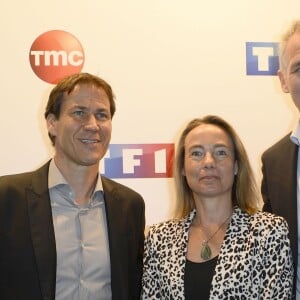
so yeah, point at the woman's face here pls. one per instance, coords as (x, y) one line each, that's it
(209, 163)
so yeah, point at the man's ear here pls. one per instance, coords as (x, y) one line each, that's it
(283, 82)
(51, 124)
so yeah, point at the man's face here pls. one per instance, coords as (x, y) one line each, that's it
(83, 130)
(290, 75)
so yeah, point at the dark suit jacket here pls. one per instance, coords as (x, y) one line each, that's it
(27, 241)
(279, 186)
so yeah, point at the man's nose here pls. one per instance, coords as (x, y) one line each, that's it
(91, 122)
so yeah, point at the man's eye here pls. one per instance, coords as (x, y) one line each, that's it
(78, 113)
(102, 116)
(295, 69)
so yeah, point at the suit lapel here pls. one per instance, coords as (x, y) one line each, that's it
(118, 255)
(42, 231)
(288, 195)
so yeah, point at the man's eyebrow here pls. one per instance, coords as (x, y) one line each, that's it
(78, 107)
(102, 109)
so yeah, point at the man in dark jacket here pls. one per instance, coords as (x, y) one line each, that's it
(280, 163)
(66, 232)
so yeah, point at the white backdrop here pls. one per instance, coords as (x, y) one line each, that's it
(167, 60)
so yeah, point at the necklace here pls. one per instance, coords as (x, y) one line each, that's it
(205, 251)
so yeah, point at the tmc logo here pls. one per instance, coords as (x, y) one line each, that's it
(138, 161)
(56, 54)
(262, 58)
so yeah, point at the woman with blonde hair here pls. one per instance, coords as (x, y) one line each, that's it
(218, 245)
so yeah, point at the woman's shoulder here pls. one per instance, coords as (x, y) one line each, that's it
(267, 220)
(169, 228)
(165, 225)
(260, 224)
(267, 217)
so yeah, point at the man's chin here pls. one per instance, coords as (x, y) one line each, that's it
(89, 162)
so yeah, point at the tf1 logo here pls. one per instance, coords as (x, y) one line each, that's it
(138, 161)
(262, 58)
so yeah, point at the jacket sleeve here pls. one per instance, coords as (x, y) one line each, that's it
(277, 277)
(150, 279)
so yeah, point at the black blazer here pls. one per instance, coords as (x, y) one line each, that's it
(27, 241)
(279, 186)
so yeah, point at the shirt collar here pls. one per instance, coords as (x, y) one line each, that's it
(295, 135)
(55, 178)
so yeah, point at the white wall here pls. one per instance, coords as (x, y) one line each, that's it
(167, 60)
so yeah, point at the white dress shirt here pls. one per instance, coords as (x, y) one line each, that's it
(83, 261)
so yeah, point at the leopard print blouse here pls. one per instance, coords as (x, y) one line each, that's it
(254, 261)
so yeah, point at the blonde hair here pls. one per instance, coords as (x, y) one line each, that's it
(294, 28)
(244, 190)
